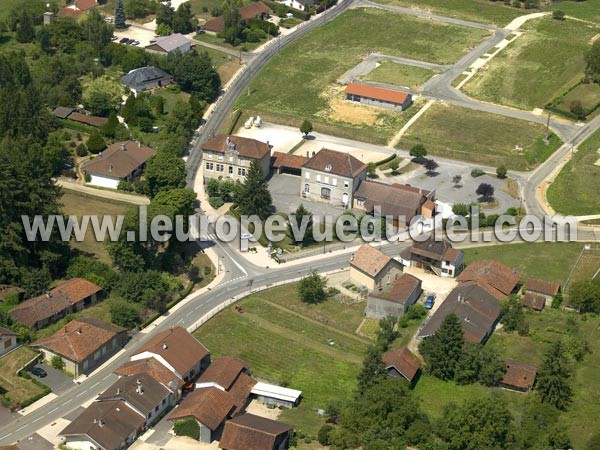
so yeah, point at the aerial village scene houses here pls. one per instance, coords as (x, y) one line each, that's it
(400, 118)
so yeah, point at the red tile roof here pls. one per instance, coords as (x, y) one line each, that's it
(59, 299)
(89, 120)
(393, 199)
(73, 13)
(403, 360)
(6, 290)
(535, 302)
(336, 163)
(223, 371)
(542, 286)
(119, 159)
(250, 432)
(401, 289)
(249, 148)
(7, 332)
(210, 406)
(369, 260)
(84, 5)
(80, 338)
(280, 159)
(377, 93)
(495, 277)
(519, 375)
(176, 346)
(240, 391)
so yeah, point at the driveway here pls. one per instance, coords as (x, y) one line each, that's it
(285, 190)
(55, 380)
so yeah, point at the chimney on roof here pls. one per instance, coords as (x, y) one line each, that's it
(110, 168)
(165, 346)
(118, 391)
(100, 423)
(123, 148)
(268, 144)
(79, 330)
(467, 319)
(314, 153)
(139, 389)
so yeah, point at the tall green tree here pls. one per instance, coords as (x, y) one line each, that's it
(164, 14)
(254, 197)
(95, 30)
(195, 73)
(585, 295)
(120, 15)
(102, 95)
(296, 220)
(312, 288)
(183, 20)
(96, 143)
(25, 30)
(165, 171)
(372, 371)
(232, 23)
(553, 382)
(443, 351)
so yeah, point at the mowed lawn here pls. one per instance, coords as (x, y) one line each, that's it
(550, 261)
(576, 189)
(537, 66)
(293, 347)
(588, 10)
(399, 74)
(298, 83)
(17, 388)
(474, 10)
(78, 204)
(588, 94)
(480, 137)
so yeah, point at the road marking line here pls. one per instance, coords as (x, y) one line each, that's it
(5, 436)
(81, 393)
(19, 429)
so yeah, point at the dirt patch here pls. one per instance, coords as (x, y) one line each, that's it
(511, 187)
(343, 111)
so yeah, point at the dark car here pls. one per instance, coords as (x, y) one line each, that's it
(124, 41)
(38, 372)
(430, 301)
(113, 38)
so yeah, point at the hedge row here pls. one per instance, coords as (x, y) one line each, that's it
(385, 160)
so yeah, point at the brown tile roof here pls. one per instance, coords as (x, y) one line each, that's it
(250, 432)
(119, 159)
(61, 298)
(519, 375)
(176, 346)
(80, 338)
(393, 199)
(431, 248)
(6, 290)
(240, 391)
(73, 13)
(403, 360)
(249, 148)
(452, 255)
(89, 120)
(377, 93)
(210, 406)
(246, 12)
(339, 163)
(9, 447)
(476, 309)
(142, 392)
(62, 112)
(401, 289)
(535, 302)
(7, 332)
(153, 368)
(107, 423)
(493, 273)
(369, 260)
(223, 371)
(542, 286)
(280, 159)
(84, 5)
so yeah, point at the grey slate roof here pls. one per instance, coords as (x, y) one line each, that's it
(171, 42)
(143, 75)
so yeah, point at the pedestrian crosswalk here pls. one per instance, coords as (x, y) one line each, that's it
(208, 237)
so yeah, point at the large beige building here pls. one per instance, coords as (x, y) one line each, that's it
(230, 157)
(332, 177)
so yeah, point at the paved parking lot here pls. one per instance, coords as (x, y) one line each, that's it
(285, 190)
(55, 380)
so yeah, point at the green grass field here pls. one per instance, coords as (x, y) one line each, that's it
(475, 10)
(575, 190)
(400, 74)
(17, 389)
(479, 137)
(538, 66)
(286, 341)
(588, 10)
(548, 261)
(299, 82)
(587, 94)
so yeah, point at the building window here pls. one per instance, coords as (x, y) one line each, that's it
(318, 177)
(307, 175)
(156, 409)
(210, 166)
(326, 180)
(334, 181)
(230, 170)
(219, 167)
(220, 157)
(325, 193)
(346, 184)
(360, 201)
(164, 401)
(307, 188)
(241, 171)
(231, 159)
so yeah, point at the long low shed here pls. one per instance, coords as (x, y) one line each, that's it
(276, 395)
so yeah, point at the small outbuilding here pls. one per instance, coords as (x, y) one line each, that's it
(518, 376)
(541, 288)
(250, 432)
(401, 362)
(145, 78)
(174, 43)
(276, 395)
(368, 94)
(395, 299)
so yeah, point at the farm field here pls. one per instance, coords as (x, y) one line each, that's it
(479, 137)
(579, 180)
(399, 74)
(477, 11)
(79, 204)
(292, 347)
(548, 261)
(300, 83)
(12, 386)
(536, 67)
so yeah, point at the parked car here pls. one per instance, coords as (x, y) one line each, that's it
(124, 41)
(108, 19)
(38, 372)
(430, 301)
(113, 38)
(134, 42)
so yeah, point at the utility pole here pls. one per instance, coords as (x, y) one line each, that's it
(548, 126)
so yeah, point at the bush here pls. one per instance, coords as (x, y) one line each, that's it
(461, 209)
(416, 311)
(477, 173)
(501, 172)
(124, 314)
(57, 362)
(187, 427)
(81, 150)
(512, 212)
(216, 202)
(324, 436)
(558, 15)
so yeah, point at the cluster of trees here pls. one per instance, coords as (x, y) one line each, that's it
(592, 59)
(419, 153)
(585, 295)
(222, 191)
(235, 30)
(169, 20)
